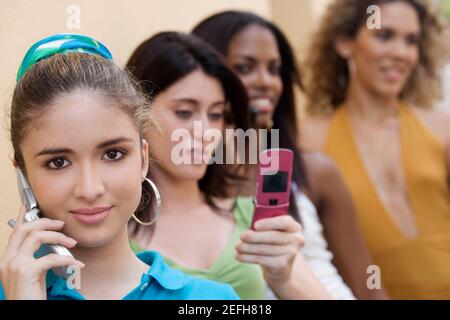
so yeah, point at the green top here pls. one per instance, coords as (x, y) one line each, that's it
(246, 279)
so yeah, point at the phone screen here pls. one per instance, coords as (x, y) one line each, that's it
(275, 183)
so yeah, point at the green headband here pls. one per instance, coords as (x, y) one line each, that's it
(61, 43)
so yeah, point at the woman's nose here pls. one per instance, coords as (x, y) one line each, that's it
(263, 78)
(401, 49)
(89, 183)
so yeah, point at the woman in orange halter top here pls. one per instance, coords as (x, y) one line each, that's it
(380, 82)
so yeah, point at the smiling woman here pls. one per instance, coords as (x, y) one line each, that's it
(375, 90)
(76, 127)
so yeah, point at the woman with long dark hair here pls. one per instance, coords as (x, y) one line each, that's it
(260, 55)
(202, 229)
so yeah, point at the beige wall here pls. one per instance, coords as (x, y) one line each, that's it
(121, 26)
(298, 19)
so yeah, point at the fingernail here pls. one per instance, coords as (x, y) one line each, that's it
(246, 234)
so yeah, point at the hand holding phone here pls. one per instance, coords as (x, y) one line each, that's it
(22, 276)
(32, 214)
(274, 184)
(276, 243)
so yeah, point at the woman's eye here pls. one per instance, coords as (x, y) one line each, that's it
(58, 163)
(275, 69)
(113, 155)
(242, 68)
(384, 35)
(216, 116)
(412, 40)
(183, 114)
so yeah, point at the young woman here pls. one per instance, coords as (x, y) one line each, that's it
(379, 85)
(201, 230)
(76, 130)
(262, 58)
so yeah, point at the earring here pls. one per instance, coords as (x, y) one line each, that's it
(158, 206)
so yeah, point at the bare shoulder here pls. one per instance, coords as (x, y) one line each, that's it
(323, 175)
(437, 121)
(313, 132)
(319, 165)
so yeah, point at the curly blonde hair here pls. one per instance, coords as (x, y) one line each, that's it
(326, 74)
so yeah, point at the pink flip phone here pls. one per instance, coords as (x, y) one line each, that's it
(273, 188)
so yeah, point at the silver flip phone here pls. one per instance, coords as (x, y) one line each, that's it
(33, 213)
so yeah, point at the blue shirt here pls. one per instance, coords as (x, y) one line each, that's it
(161, 282)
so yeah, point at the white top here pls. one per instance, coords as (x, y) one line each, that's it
(316, 252)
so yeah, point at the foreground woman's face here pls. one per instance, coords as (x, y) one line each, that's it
(85, 164)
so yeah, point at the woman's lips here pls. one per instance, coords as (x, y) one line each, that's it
(91, 215)
(393, 74)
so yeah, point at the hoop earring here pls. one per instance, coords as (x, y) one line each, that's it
(158, 206)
